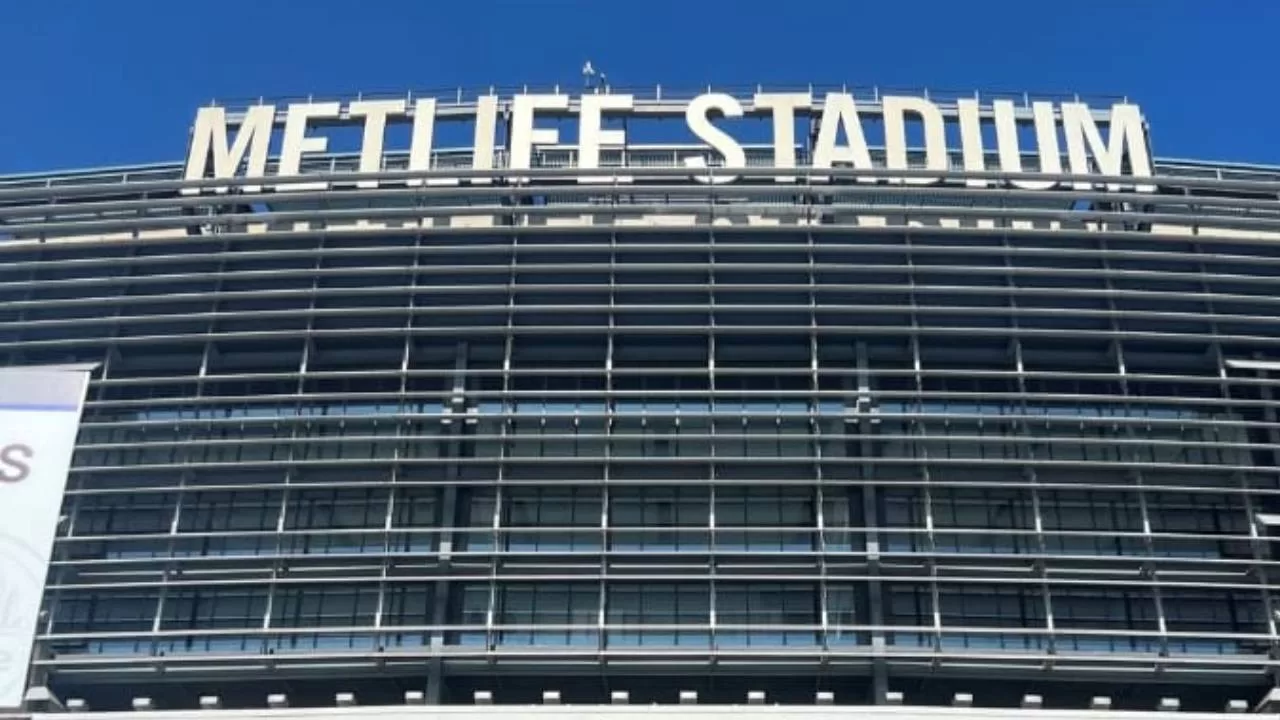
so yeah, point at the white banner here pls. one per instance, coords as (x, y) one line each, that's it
(39, 418)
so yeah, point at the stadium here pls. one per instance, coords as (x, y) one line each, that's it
(439, 434)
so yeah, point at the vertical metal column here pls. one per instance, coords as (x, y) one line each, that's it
(813, 427)
(1148, 566)
(1263, 549)
(456, 417)
(863, 408)
(1026, 451)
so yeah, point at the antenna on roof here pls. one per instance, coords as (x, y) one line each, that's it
(589, 81)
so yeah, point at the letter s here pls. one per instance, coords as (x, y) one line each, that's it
(14, 461)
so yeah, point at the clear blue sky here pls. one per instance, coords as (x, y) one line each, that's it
(96, 82)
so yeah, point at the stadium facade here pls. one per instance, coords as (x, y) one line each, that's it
(631, 425)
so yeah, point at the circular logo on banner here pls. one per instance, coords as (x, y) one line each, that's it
(21, 578)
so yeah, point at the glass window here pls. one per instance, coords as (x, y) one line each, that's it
(125, 514)
(105, 611)
(904, 508)
(909, 604)
(553, 519)
(1086, 522)
(1199, 513)
(766, 604)
(476, 507)
(321, 606)
(324, 606)
(765, 518)
(995, 606)
(983, 509)
(573, 606)
(1120, 610)
(230, 511)
(844, 605)
(408, 604)
(415, 509)
(1205, 612)
(470, 608)
(659, 518)
(842, 510)
(213, 608)
(638, 605)
(323, 508)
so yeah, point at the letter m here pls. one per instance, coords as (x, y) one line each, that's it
(209, 142)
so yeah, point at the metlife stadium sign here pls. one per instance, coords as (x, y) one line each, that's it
(39, 418)
(915, 132)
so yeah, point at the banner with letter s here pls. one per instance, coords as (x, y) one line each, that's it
(39, 418)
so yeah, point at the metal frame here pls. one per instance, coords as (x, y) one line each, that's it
(1160, 292)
